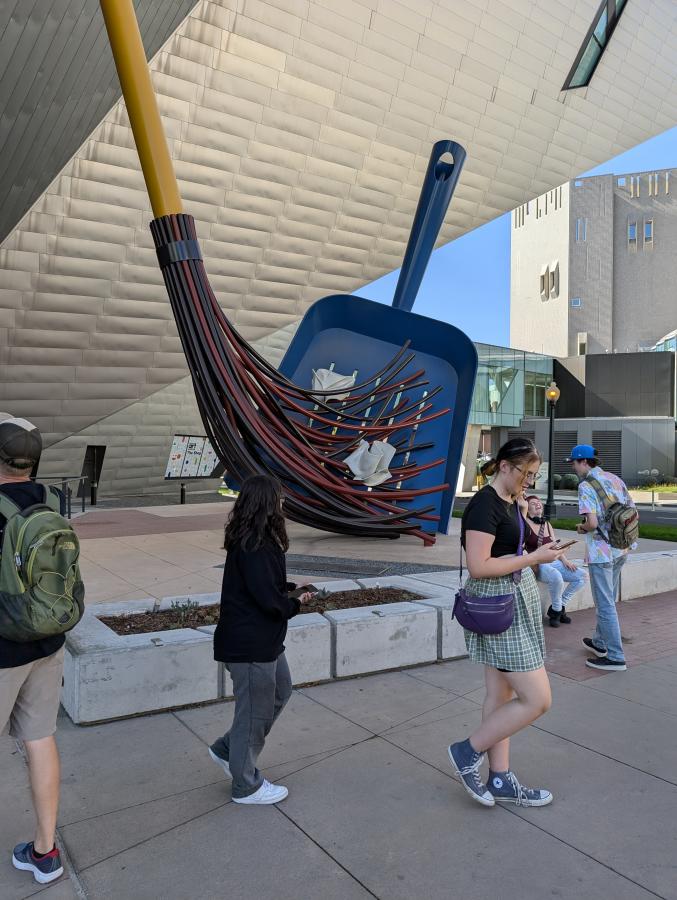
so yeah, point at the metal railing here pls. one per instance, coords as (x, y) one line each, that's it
(64, 482)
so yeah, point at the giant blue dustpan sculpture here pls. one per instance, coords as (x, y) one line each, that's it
(351, 334)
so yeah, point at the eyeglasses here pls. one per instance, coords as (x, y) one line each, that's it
(533, 477)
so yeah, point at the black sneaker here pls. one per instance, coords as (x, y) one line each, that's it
(509, 790)
(564, 618)
(553, 617)
(606, 665)
(44, 868)
(467, 763)
(596, 650)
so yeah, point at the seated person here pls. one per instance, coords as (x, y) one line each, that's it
(557, 574)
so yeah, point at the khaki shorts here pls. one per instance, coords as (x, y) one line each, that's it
(29, 697)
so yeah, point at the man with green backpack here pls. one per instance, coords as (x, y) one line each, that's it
(41, 597)
(611, 526)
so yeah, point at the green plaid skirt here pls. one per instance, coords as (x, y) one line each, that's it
(522, 647)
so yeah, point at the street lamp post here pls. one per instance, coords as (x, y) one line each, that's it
(552, 395)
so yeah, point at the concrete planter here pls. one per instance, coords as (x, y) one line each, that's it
(308, 648)
(110, 676)
(438, 591)
(387, 636)
(648, 573)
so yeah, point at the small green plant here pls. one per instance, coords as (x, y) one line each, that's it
(556, 481)
(184, 608)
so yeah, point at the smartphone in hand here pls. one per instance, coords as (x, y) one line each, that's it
(558, 545)
(298, 592)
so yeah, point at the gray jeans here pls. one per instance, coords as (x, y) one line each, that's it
(261, 693)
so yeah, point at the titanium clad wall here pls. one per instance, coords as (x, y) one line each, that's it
(57, 81)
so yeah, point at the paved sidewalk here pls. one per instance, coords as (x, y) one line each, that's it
(374, 810)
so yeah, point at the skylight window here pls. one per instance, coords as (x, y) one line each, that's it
(595, 43)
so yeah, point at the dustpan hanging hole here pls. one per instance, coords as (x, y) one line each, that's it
(444, 167)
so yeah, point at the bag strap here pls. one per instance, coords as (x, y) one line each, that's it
(52, 499)
(520, 517)
(8, 507)
(604, 498)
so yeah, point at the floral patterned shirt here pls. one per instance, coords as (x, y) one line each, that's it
(599, 550)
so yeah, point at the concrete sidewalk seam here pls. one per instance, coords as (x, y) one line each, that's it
(520, 815)
(199, 815)
(326, 852)
(154, 836)
(69, 866)
(615, 759)
(412, 674)
(111, 812)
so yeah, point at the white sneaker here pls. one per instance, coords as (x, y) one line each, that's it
(268, 793)
(220, 762)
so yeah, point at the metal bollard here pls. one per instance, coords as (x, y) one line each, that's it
(69, 497)
(183, 493)
(82, 492)
(92, 493)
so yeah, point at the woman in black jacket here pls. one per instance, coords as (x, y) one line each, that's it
(249, 639)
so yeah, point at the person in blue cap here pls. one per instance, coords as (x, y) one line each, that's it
(604, 561)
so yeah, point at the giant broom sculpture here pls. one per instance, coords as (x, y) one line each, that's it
(256, 419)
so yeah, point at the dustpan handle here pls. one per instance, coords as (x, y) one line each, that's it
(438, 187)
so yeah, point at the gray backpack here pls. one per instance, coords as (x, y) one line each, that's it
(620, 519)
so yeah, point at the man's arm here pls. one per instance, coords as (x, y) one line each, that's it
(587, 506)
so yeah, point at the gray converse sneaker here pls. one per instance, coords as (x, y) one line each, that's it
(505, 788)
(467, 762)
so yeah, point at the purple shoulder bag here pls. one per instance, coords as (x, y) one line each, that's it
(488, 615)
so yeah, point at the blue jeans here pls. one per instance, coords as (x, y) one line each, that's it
(605, 581)
(556, 575)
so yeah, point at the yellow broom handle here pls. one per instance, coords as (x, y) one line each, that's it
(144, 116)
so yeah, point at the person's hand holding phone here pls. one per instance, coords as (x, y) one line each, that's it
(547, 553)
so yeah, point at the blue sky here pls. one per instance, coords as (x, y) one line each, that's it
(460, 288)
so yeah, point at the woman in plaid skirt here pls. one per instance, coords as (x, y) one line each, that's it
(517, 685)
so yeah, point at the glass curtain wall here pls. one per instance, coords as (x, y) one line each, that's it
(510, 384)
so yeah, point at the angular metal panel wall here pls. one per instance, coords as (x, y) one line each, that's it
(300, 131)
(139, 437)
(57, 81)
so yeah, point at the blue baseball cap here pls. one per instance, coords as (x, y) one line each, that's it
(582, 451)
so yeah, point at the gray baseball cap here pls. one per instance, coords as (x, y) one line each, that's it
(20, 442)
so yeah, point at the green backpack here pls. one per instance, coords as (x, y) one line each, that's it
(41, 592)
(621, 520)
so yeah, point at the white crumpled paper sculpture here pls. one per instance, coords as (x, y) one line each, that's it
(370, 463)
(326, 380)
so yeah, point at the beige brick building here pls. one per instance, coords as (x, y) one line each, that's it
(593, 265)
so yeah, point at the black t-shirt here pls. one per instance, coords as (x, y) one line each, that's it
(13, 654)
(487, 512)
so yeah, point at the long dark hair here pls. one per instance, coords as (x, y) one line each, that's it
(516, 451)
(257, 516)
